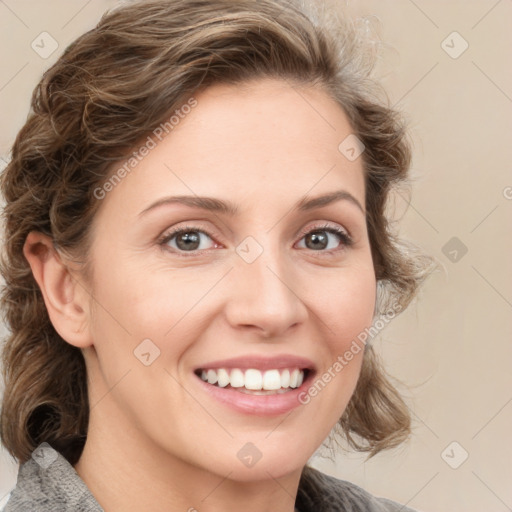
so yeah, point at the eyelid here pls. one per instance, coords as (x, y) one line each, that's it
(324, 225)
(345, 236)
(172, 232)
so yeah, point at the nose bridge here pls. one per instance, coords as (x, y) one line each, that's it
(264, 294)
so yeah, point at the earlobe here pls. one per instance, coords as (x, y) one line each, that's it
(63, 295)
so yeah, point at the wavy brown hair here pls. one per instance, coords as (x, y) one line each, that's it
(112, 87)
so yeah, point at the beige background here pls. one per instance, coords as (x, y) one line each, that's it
(452, 346)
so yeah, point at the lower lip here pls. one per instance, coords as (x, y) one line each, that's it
(259, 405)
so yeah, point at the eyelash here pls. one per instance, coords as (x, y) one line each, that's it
(345, 238)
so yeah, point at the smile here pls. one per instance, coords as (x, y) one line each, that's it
(256, 384)
(254, 381)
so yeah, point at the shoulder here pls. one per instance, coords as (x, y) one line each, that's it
(321, 492)
(48, 482)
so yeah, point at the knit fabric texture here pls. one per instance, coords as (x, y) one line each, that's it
(47, 482)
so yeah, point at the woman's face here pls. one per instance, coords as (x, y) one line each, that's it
(268, 288)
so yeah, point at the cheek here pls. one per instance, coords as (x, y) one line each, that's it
(137, 304)
(142, 300)
(347, 305)
(345, 312)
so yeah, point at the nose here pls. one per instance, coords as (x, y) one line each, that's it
(265, 295)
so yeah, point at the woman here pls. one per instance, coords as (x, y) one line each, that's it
(196, 249)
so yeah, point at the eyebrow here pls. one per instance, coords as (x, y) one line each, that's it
(231, 209)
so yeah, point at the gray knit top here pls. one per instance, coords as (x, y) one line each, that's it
(47, 482)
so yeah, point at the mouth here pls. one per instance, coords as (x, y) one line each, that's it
(256, 384)
(253, 381)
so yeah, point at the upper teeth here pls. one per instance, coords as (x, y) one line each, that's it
(254, 379)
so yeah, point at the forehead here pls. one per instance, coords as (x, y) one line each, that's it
(263, 140)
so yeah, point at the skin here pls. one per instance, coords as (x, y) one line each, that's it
(156, 440)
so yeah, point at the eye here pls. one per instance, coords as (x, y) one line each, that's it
(187, 239)
(316, 238)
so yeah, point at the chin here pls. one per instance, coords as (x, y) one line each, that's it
(264, 460)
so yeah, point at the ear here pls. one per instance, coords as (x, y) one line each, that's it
(66, 300)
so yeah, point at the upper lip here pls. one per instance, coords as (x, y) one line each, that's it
(260, 362)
